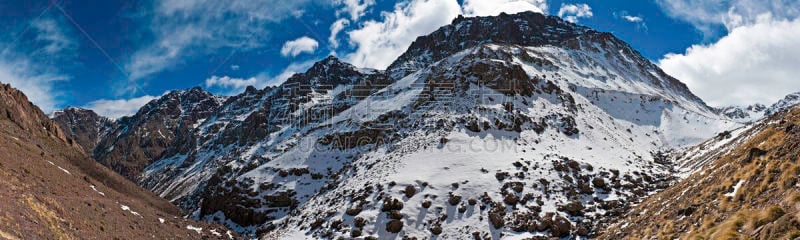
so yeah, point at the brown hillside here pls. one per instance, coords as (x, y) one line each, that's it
(49, 189)
(709, 205)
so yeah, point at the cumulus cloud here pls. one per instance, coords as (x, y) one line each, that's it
(753, 63)
(183, 29)
(495, 7)
(301, 45)
(118, 108)
(337, 27)
(571, 12)
(379, 43)
(706, 14)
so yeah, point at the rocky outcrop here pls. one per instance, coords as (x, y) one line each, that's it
(163, 126)
(84, 126)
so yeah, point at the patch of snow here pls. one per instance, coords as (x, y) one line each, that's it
(735, 189)
(126, 208)
(65, 170)
(193, 228)
(95, 189)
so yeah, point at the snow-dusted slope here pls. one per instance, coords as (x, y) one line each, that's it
(753, 113)
(515, 125)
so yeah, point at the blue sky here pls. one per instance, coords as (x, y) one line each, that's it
(113, 56)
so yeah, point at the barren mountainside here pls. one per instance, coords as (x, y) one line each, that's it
(50, 189)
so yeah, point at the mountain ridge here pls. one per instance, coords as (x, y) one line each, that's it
(342, 140)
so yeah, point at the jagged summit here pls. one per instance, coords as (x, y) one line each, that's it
(755, 112)
(85, 126)
(525, 28)
(327, 72)
(158, 126)
(787, 101)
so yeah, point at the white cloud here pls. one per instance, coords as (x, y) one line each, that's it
(51, 33)
(184, 29)
(33, 66)
(229, 82)
(633, 19)
(118, 108)
(235, 67)
(753, 63)
(337, 27)
(706, 14)
(571, 12)
(355, 8)
(379, 43)
(231, 85)
(37, 83)
(495, 7)
(298, 46)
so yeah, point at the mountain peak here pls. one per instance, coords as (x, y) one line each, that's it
(524, 28)
(83, 125)
(329, 71)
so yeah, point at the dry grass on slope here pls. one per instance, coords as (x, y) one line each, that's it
(709, 205)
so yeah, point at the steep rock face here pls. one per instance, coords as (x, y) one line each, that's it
(464, 33)
(15, 107)
(747, 190)
(165, 124)
(84, 126)
(51, 190)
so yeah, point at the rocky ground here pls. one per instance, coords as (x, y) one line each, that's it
(49, 188)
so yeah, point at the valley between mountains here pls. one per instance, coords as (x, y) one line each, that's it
(517, 126)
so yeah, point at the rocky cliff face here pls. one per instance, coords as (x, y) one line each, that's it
(163, 125)
(84, 126)
(15, 107)
(50, 189)
(747, 189)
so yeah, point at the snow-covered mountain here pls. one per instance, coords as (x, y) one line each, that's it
(162, 127)
(755, 112)
(514, 125)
